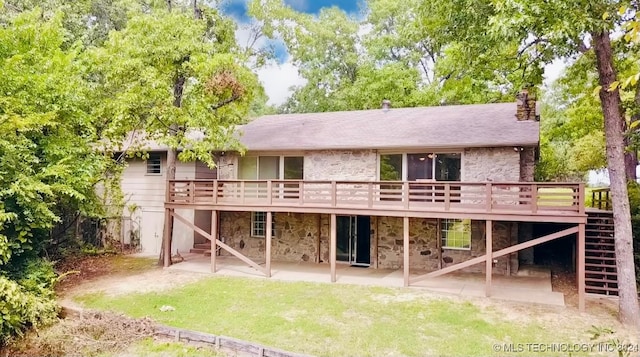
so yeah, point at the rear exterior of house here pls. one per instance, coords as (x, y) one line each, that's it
(366, 240)
(476, 143)
(432, 190)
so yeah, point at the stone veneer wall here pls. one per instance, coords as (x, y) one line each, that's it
(527, 164)
(296, 238)
(342, 165)
(423, 235)
(226, 167)
(491, 164)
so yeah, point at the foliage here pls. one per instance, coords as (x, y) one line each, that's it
(21, 309)
(36, 276)
(135, 73)
(398, 51)
(46, 156)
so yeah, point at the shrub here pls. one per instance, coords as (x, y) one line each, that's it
(21, 309)
(38, 277)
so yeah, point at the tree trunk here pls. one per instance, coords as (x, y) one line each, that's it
(614, 124)
(631, 155)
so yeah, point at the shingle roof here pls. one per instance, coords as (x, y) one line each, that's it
(455, 126)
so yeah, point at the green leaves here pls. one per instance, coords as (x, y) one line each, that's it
(46, 134)
(135, 80)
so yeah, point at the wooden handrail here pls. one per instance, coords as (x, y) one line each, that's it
(523, 197)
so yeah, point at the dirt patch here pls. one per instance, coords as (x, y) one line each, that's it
(80, 270)
(118, 275)
(93, 333)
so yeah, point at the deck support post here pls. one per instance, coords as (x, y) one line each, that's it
(581, 266)
(489, 255)
(214, 237)
(332, 247)
(405, 250)
(166, 258)
(267, 244)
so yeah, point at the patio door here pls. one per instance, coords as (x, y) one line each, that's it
(353, 241)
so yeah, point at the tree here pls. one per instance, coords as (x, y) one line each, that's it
(544, 35)
(396, 52)
(176, 79)
(46, 155)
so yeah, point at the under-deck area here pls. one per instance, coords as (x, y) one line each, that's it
(529, 288)
(487, 203)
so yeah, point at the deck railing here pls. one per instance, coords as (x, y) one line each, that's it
(389, 195)
(601, 198)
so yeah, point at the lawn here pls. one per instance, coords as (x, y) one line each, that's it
(335, 320)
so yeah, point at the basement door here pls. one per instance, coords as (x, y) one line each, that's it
(353, 241)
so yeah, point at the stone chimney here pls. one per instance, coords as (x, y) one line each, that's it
(526, 106)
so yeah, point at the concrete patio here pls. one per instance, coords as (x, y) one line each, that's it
(535, 288)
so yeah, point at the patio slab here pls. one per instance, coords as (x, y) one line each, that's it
(527, 289)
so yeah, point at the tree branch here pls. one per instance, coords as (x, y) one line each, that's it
(531, 44)
(230, 100)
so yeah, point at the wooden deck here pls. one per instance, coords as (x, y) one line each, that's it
(517, 201)
(488, 201)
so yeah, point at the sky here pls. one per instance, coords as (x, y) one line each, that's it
(278, 77)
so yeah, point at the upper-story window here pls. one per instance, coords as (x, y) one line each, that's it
(271, 168)
(420, 166)
(154, 164)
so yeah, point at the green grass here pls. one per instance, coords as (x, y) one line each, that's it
(552, 197)
(330, 320)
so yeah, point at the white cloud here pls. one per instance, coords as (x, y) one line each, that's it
(299, 5)
(553, 71)
(278, 79)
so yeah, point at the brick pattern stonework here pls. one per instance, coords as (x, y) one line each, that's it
(297, 240)
(423, 235)
(305, 237)
(527, 164)
(345, 165)
(491, 164)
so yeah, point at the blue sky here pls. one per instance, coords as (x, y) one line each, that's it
(238, 9)
(279, 77)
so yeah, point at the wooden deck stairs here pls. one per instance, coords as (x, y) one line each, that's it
(600, 258)
(201, 248)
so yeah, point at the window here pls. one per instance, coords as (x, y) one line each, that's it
(391, 167)
(271, 168)
(420, 167)
(293, 168)
(154, 164)
(259, 223)
(447, 167)
(456, 234)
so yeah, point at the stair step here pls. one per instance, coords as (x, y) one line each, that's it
(602, 279)
(196, 250)
(596, 265)
(207, 253)
(202, 246)
(599, 251)
(599, 230)
(613, 259)
(601, 244)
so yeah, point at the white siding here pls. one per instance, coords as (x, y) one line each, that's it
(147, 193)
